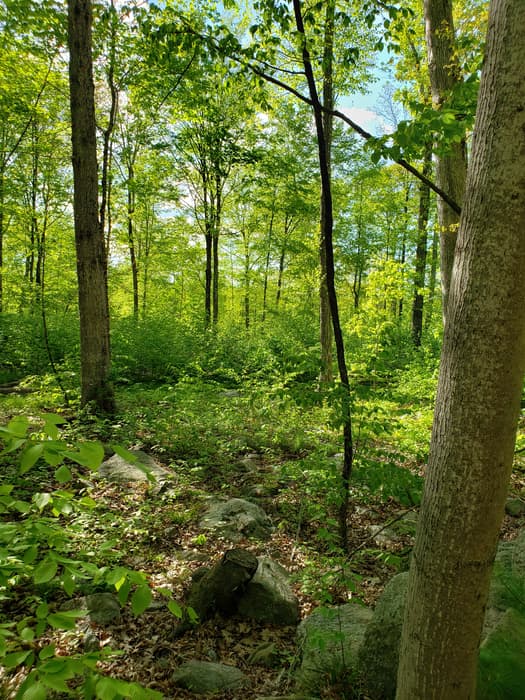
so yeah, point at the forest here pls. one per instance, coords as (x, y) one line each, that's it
(262, 349)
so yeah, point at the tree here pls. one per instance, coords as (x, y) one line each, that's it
(451, 165)
(89, 239)
(480, 384)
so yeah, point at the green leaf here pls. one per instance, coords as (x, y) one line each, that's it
(30, 554)
(37, 691)
(45, 571)
(16, 658)
(89, 454)
(140, 599)
(42, 499)
(30, 456)
(63, 474)
(175, 609)
(42, 611)
(123, 592)
(18, 426)
(65, 619)
(47, 652)
(51, 420)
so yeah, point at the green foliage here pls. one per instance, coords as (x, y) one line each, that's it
(38, 557)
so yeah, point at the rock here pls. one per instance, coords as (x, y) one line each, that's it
(515, 507)
(265, 655)
(501, 670)
(219, 588)
(119, 470)
(329, 640)
(235, 519)
(90, 642)
(378, 654)
(102, 608)
(268, 596)
(208, 677)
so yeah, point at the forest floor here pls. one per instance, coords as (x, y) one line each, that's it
(202, 434)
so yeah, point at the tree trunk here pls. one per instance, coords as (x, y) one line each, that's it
(267, 262)
(131, 240)
(90, 247)
(479, 391)
(450, 168)
(421, 251)
(325, 319)
(346, 417)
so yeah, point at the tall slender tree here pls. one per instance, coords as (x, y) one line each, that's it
(89, 240)
(479, 390)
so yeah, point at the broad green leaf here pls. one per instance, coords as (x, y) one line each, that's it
(123, 592)
(18, 426)
(15, 658)
(65, 619)
(42, 611)
(140, 599)
(68, 582)
(30, 456)
(47, 652)
(5, 489)
(62, 474)
(88, 502)
(42, 499)
(27, 634)
(51, 420)
(89, 454)
(175, 609)
(30, 554)
(45, 571)
(117, 576)
(37, 691)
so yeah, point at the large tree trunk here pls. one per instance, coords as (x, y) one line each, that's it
(450, 168)
(90, 246)
(479, 390)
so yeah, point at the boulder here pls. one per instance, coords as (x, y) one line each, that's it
(329, 641)
(102, 608)
(378, 654)
(236, 519)
(141, 468)
(515, 507)
(268, 596)
(208, 677)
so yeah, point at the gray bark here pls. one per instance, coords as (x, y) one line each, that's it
(479, 391)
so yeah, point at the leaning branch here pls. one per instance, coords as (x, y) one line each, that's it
(336, 113)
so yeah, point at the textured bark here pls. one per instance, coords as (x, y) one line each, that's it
(479, 391)
(90, 246)
(451, 168)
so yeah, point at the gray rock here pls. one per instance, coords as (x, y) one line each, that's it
(268, 596)
(235, 519)
(207, 677)
(119, 470)
(378, 654)
(102, 608)
(515, 507)
(329, 640)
